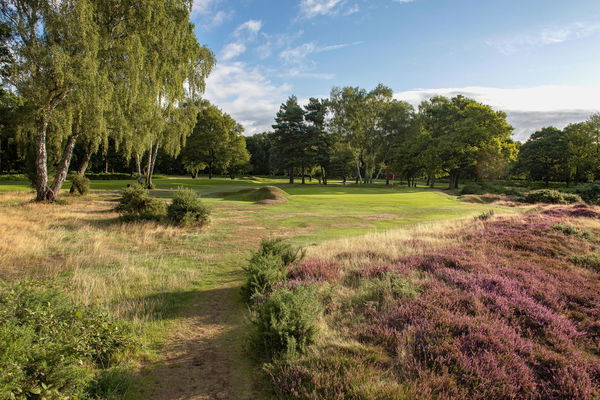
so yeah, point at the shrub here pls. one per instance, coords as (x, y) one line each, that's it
(137, 205)
(486, 215)
(485, 188)
(80, 184)
(50, 347)
(591, 261)
(589, 193)
(472, 188)
(262, 273)
(552, 197)
(572, 231)
(279, 247)
(187, 209)
(287, 321)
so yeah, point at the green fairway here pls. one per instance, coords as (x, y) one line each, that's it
(315, 212)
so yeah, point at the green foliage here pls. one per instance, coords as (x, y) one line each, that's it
(488, 188)
(80, 184)
(262, 273)
(50, 347)
(486, 215)
(137, 205)
(287, 321)
(279, 247)
(187, 209)
(589, 193)
(551, 196)
(591, 261)
(571, 230)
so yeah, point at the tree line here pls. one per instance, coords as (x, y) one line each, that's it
(368, 135)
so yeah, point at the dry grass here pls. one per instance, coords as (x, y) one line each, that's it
(127, 267)
(393, 244)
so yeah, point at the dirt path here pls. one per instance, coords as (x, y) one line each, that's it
(205, 356)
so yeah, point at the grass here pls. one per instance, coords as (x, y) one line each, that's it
(158, 277)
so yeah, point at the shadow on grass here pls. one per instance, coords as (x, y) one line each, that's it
(204, 357)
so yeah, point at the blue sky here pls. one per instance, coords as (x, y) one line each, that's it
(538, 60)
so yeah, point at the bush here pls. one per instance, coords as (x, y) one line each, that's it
(589, 193)
(137, 205)
(263, 272)
(591, 261)
(287, 321)
(488, 188)
(472, 188)
(50, 347)
(280, 248)
(552, 197)
(571, 230)
(187, 209)
(80, 184)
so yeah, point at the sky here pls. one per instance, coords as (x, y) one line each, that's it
(537, 60)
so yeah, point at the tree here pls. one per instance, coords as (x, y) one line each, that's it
(289, 135)
(318, 142)
(147, 67)
(260, 147)
(543, 156)
(464, 133)
(216, 144)
(357, 116)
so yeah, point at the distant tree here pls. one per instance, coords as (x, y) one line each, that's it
(543, 156)
(318, 141)
(357, 116)
(216, 144)
(464, 133)
(260, 147)
(582, 160)
(290, 134)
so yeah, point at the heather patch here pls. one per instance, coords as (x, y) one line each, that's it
(507, 314)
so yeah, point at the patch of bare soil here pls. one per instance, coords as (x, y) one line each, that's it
(204, 359)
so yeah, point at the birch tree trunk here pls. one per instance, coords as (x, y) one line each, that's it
(41, 161)
(63, 168)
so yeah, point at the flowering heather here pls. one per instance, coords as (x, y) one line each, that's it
(507, 315)
(578, 211)
(315, 269)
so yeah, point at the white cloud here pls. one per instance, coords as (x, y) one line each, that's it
(314, 8)
(545, 37)
(299, 54)
(250, 27)
(528, 109)
(247, 94)
(232, 50)
(206, 15)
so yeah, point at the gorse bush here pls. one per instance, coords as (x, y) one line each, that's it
(80, 184)
(552, 197)
(269, 266)
(137, 205)
(279, 247)
(263, 272)
(187, 209)
(287, 321)
(51, 348)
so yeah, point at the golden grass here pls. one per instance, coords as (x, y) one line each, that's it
(393, 244)
(126, 267)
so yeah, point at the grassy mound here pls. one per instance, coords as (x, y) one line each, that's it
(266, 195)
